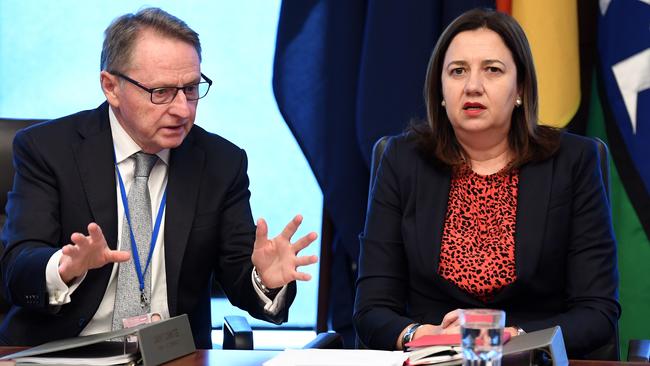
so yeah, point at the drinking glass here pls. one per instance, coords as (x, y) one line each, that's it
(482, 336)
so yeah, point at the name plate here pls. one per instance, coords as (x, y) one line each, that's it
(166, 340)
(545, 346)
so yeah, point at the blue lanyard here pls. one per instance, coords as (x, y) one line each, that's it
(154, 234)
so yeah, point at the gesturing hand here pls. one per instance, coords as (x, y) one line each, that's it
(276, 259)
(87, 252)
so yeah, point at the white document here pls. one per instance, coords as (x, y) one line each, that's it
(337, 357)
(68, 361)
(99, 354)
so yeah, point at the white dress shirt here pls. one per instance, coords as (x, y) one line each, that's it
(59, 292)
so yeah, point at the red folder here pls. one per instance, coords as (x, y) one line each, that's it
(435, 340)
(443, 340)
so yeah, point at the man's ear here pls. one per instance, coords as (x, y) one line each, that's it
(111, 88)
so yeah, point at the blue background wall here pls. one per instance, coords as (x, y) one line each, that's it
(49, 67)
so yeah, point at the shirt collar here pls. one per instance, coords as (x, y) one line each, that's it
(124, 144)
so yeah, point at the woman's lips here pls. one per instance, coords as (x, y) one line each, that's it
(473, 109)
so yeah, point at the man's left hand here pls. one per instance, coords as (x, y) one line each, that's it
(277, 259)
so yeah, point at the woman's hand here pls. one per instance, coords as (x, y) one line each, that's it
(427, 329)
(451, 320)
(450, 325)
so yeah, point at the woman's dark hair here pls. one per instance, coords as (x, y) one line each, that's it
(528, 140)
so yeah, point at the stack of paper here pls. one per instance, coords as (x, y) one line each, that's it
(337, 357)
(440, 349)
(98, 354)
(435, 355)
(157, 343)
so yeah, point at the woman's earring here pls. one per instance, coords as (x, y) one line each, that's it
(443, 103)
(518, 102)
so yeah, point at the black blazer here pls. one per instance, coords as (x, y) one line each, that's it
(565, 252)
(65, 179)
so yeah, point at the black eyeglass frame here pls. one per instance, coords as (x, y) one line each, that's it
(152, 90)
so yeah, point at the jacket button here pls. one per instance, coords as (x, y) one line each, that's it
(81, 322)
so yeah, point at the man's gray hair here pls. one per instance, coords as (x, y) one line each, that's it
(120, 36)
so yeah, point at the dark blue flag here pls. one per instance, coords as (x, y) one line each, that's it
(624, 49)
(345, 74)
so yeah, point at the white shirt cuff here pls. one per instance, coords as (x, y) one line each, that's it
(271, 307)
(58, 292)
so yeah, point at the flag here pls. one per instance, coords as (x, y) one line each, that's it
(345, 74)
(552, 30)
(614, 37)
(620, 114)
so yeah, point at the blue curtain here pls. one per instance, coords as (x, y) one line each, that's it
(347, 72)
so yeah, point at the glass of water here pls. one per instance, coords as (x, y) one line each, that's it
(482, 336)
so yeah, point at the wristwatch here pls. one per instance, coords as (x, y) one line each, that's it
(258, 282)
(410, 332)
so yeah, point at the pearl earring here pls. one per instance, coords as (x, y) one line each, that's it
(518, 102)
(443, 103)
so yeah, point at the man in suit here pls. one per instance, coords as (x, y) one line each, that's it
(74, 262)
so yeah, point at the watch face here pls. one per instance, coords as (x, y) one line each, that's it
(410, 332)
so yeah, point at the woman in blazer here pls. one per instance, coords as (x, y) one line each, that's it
(482, 207)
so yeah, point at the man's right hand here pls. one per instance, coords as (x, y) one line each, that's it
(87, 252)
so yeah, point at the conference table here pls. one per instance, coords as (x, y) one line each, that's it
(257, 358)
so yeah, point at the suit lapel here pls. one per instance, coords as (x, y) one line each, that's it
(432, 199)
(431, 207)
(95, 160)
(185, 170)
(532, 205)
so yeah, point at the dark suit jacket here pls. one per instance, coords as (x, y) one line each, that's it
(565, 251)
(65, 179)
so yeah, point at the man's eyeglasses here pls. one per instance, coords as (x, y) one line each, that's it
(166, 94)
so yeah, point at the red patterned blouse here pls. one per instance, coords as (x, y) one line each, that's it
(478, 246)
